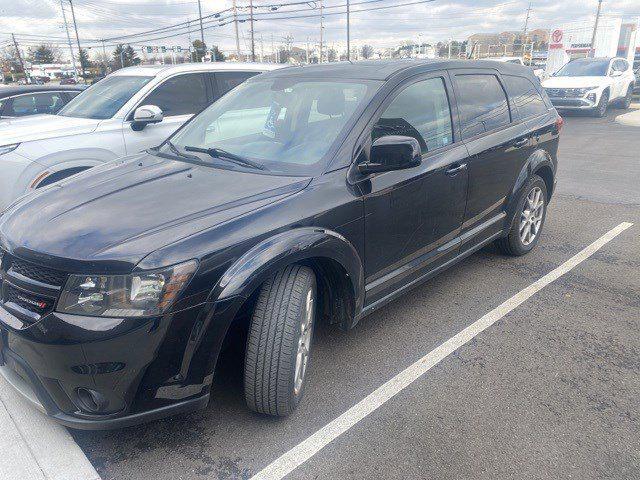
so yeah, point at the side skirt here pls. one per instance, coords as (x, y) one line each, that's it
(431, 273)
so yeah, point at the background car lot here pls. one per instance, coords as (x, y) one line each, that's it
(550, 391)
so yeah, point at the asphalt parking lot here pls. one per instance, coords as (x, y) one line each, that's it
(551, 390)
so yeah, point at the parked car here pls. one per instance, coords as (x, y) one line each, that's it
(132, 109)
(68, 81)
(539, 72)
(592, 84)
(35, 99)
(349, 184)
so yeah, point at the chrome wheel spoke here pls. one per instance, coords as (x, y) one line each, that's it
(531, 216)
(304, 342)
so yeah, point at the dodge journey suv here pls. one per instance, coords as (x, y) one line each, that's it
(305, 195)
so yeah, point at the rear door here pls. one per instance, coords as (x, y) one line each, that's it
(179, 97)
(498, 147)
(224, 82)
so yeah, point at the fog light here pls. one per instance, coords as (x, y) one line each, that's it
(91, 401)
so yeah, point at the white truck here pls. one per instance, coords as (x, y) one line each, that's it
(128, 111)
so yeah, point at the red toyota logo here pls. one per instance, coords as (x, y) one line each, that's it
(556, 36)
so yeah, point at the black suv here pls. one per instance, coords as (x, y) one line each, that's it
(308, 194)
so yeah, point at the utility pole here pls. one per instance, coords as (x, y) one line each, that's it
(321, 31)
(526, 24)
(66, 28)
(15, 44)
(308, 50)
(348, 33)
(592, 51)
(104, 58)
(75, 26)
(253, 43)
(201, 29)
(235, 25)
(273, 50)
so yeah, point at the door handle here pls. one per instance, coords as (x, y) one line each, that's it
(521, 142)
(454, 169)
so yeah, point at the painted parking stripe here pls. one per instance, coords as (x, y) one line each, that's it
(309, 447)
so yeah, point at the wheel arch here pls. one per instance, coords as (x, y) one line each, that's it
(334, 260)
(539, 163)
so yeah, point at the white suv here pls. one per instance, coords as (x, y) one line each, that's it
(591, 84)
(128, 111)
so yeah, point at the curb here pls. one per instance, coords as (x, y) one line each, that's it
(33, 447)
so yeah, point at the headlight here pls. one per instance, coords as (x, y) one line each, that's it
(137, 295)
(8, 148)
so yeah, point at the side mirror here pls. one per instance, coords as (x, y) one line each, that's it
(146, 115)
(392, 152)
(616, 73)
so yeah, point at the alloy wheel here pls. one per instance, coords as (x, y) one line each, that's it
(531, 216)
(304, 342)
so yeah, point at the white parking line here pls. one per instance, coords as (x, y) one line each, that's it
(320, 439)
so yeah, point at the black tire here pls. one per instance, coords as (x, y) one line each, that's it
(601, 109)
(625, 102)
(513, 244)
(272, 342)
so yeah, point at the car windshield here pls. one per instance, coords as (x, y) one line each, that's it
(287, 125)
(105, 98)
(584, 68)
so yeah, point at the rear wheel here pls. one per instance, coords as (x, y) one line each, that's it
(528, 221)
(601, 109)
(625, 102)
(279, 341)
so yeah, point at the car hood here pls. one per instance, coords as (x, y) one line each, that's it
(111, 217)
(574, 82)
(40, 127)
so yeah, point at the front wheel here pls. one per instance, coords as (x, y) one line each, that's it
(529, 218)
(279, 341)
(601, 109)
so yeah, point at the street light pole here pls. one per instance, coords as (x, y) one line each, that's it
(75, 26)
(592, 51)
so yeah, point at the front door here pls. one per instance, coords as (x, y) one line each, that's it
(410, 215)
(179, 98)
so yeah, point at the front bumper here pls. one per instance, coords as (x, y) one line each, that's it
(581, 103)
(131, 367)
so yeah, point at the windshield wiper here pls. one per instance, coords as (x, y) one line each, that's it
(224, 155)
(175, 150)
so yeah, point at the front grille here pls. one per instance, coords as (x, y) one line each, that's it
(37, 273)
(29, 301)
(27, 290)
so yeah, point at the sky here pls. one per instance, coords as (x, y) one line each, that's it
(41, 21)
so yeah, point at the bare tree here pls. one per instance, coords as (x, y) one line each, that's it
(366, 51)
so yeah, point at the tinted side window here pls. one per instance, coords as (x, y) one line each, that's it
(226, 81)
(482, 104)
(22, 105)
(420, 111)
(525, 96)
(180, 95)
